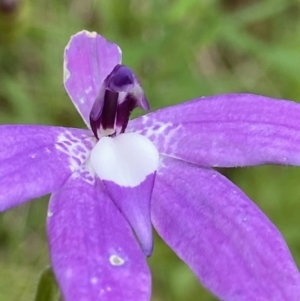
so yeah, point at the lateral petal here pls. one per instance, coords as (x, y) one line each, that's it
(37, 160)
(93, 251)
(226, 130)
(88, 60)
(232, 247)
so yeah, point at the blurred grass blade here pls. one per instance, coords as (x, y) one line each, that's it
(259, 11)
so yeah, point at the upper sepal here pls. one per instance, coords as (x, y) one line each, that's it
(88, 60)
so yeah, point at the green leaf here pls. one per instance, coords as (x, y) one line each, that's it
(47, 289)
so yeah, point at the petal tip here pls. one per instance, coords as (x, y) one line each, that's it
(120, 51)
(90, 34)
(66, 72)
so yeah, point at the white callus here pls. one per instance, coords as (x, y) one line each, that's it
(126, 159)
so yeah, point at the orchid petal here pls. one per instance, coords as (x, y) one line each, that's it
(93, 250)
(232, 247)
(37, 160)
(226, 131)
(88, 60)
(134, 203)
(127, 166)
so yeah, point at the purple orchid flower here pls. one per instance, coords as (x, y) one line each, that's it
(110, 183)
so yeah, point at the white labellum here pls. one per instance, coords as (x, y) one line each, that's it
(125, 160)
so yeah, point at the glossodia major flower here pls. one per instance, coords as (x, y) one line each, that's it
(112, 182)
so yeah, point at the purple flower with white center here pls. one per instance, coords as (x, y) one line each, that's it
(112, 182)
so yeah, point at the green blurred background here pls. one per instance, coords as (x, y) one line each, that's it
(181, 49)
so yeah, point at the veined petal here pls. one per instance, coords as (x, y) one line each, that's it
(88, 60)
(127, 166)
(37, 160)
(226, 130)
(235, 251)
(93, 250)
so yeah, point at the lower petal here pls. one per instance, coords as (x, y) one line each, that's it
(93, 251)
(232, 247)
(134, 203)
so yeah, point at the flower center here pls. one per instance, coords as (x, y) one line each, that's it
(126, 160)
(119, 94)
